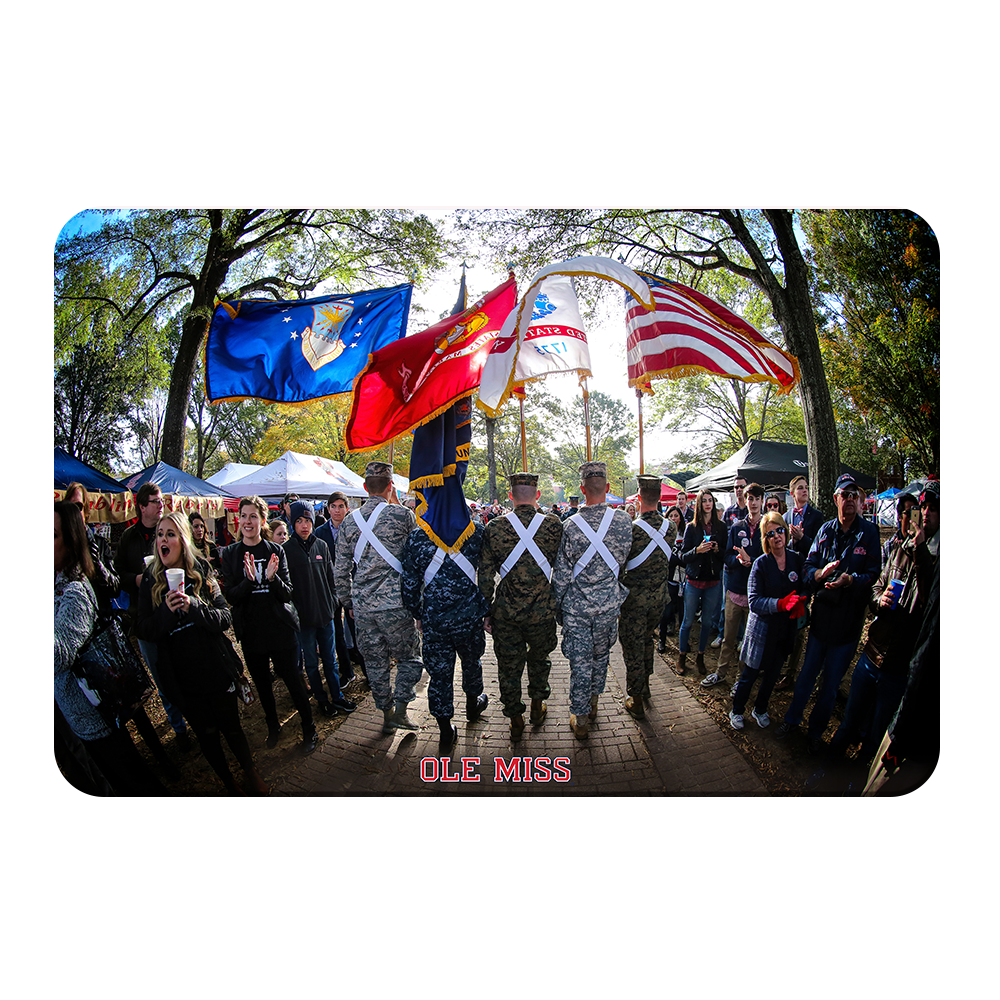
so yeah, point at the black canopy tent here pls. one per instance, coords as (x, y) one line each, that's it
(772, 464)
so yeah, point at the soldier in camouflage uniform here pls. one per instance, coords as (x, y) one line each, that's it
(646, 581)
(594, 547)
(367, 573)
(439, 590)
(522, 614)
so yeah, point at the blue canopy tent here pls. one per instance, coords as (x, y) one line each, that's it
(71, 470)
(171, 480)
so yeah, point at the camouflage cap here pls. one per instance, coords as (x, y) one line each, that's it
(648, 482)
(378, 469)
(590, 470)
(524, 479)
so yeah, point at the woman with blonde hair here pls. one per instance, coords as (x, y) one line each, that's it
(278, 532)
(198, 668)
(776, 590)
(702, 558)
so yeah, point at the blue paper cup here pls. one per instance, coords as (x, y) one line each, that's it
(896, 587)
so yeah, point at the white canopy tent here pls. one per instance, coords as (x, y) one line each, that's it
(308, 475)
(231, 471)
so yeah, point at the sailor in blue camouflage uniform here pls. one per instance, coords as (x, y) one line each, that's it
(594, 547)
(645, 579)
(573, 508)
(367, 572)
(440, 591)
(522, 611)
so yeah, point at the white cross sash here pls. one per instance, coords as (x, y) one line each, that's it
(367, 529)
(658, 537)
(438, 561)
(596, 539)
(526, 543)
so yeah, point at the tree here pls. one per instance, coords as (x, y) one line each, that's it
(760, 246)
(613, 432)
(99, 377)
(153, 267)
(877, 279)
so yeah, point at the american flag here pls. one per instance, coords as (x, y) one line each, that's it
(689, 333)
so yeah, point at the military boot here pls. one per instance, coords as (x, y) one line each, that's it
(516, 726)
(580, 726)
(388, 720)
(681, 667)
(538, 710)
(449, 735)
(474, 707)
(634, 708)
(401, 720)
(593, 707)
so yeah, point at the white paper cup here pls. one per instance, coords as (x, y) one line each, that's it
(175, 579)
(148, 560)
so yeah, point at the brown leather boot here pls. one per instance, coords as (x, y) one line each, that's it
(516, 726)
(681, 667)
(580, 726)
(538, 710)
(700, 660)
(634, 708)
(593, 707)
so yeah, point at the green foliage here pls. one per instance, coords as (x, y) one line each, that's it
(877, 279)
(156, 270)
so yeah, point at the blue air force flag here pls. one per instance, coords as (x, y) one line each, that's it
(292, 352)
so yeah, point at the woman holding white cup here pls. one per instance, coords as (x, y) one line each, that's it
(182, 610)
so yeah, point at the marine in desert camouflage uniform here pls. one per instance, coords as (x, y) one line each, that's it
(522, 608)
(588, 592)
(368, 586)
(646, 581)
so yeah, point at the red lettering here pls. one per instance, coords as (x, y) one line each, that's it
(445, 765)
(424, 761)
(502, 771)
(561, 767)
(527, 768)
(468, 763)
(102, 502)
(542, 772)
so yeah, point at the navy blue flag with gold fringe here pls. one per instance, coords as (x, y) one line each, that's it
(296, 351)
(439, 460)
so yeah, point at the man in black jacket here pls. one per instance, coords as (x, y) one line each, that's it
(258, 587)
(310, 566)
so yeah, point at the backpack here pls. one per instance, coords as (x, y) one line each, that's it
(112, 669)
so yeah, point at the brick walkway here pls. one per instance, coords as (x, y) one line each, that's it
(677, 750)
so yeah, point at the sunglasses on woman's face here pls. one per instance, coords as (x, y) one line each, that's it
(773, 532)
(77, 505)
(772, 506)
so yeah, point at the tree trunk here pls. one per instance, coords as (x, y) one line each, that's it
(794, 313)
(175, 420)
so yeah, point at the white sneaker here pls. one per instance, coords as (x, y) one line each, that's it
(762, 720)
(711, 680)
(716, 642)
(736, 721)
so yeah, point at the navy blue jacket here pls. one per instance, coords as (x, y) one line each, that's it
(741, 535)
(812, 521)
(451, 595)
(838, 615)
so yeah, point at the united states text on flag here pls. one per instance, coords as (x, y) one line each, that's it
(688, 333)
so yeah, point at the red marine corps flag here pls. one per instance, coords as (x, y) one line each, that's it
(688, 332)
(410, 381)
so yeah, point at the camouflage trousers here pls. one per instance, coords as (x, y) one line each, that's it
(516, 645)
(385, 635)
(586, 643)
(443, 640)
(635, 632)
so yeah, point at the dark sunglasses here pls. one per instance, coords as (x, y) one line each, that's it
(77, 505)
(773, 532)
(772, 506)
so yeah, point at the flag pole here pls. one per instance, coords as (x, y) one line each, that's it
(638, 393)
(524, 440)
(586, 414)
